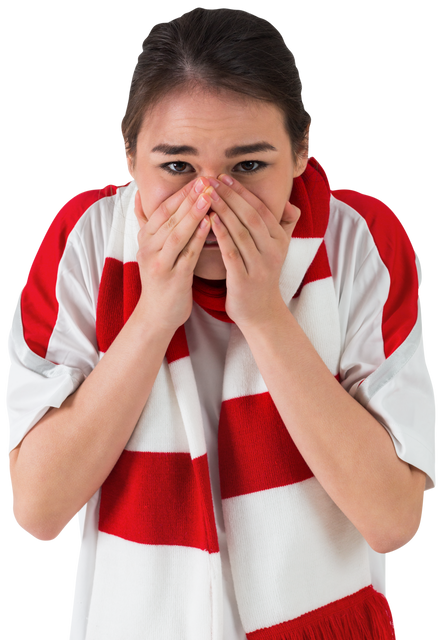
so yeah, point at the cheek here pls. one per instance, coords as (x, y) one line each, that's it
(274, 198)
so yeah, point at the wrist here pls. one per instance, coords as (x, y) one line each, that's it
(148, 326)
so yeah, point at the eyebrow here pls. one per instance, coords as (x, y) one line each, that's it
(232, 152)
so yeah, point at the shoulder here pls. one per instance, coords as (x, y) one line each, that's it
(360, 224)
(84, 208)
(72, 251)
(373, 262)
(88, 212)
(375, 221)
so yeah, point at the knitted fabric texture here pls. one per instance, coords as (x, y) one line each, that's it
(300, 567)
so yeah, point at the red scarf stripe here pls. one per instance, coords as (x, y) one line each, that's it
(364, 615)
(319, 269)
(269, 457)
(119, 292)
(311, 192)
(109, 304)
(176, 510)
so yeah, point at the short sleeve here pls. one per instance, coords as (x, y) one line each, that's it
(52, 343)
(382, 361)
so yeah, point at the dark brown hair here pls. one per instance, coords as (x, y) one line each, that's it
(222, 49)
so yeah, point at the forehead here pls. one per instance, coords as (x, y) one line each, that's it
(201, 117)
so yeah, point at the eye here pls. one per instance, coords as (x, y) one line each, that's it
(261, 165)
(166, 167)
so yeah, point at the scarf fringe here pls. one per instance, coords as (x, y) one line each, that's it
(369, 619)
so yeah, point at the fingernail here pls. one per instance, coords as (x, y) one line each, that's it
(199, 185)
(211, 192)
(215, 196)
(215, 183)
(202, 202)
(226, 179)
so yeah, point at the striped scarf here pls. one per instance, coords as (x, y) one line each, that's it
(300, 567)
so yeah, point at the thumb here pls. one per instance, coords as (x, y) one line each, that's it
(138, 210)
(290, 217)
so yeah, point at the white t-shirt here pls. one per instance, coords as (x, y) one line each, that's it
(400, 395)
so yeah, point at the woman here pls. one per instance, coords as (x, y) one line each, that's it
(239, 457)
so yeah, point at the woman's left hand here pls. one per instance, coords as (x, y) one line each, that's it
(253, 246)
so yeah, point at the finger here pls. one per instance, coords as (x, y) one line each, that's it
(178, 229)
(175, 208)
(166, 209)
(257, 215)
(192, 250)
(165, 228)
(231, 256)
(173, 241)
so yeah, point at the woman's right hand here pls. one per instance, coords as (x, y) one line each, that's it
(170, 243)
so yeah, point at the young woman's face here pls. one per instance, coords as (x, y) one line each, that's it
(188, 135)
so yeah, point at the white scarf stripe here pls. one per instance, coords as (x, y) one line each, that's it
(325, 553)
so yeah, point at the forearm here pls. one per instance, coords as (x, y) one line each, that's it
(67, 456)
(348, 450)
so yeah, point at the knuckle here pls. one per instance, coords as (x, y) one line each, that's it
(188, 252)
(144, 232)
(252, 219)
(234, 254)
(163, 209)
(170, 222)
(174, 238)
(244, 234)
(261, 209)
(141, 254)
